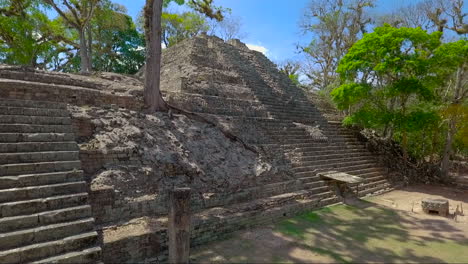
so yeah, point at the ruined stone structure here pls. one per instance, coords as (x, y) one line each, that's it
(44, 213)
(239, 89)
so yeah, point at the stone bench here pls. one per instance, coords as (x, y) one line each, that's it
(341, 181)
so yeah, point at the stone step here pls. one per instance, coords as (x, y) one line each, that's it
(291, 140)
(371, 176)
(294, 110)
(314, 146)
(342, 166)
(292, 115)
(309, 179)
(28, 207)
(27, 180)
(332, 162)
(88, 255)
(306, 138)
(36, 137)
(273, 100)
(41, 191)
(6, 110)
(317, 185)
(41, 234)
(303, 130)
(285, 107)
(298, 119)
(325, 157)
(9, 224)
(318, 151)
(229, 113)
(372, 184)
(48, 249)
(39, 167)
(27, 128)
(278, 200)
(17, 78)
(32, 104)
(367, 190)
(286, 132)
(32, 157)
(36, 120)
(359, 172)
(38, 147)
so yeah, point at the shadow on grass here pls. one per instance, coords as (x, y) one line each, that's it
(363, 232)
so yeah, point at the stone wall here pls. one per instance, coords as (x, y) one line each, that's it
(403, 171)
(107, 210)
(65, 94)
(151, 245)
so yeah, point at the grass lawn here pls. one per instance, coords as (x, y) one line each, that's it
(367, 232)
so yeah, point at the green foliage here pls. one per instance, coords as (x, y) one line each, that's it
(294, 78)
(26, 38)
(390, 77)
(350, 94)
(177, 27)
(117, 45)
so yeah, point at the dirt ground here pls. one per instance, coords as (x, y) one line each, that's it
(389, 228)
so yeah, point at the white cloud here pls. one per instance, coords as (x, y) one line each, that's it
(258, 48)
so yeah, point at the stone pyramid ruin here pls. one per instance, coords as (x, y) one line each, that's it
(84, 174)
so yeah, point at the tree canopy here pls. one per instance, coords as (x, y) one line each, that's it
(394, 80)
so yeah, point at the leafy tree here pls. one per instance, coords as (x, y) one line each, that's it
(452, 59)
(27, 35)
(291, 69)
(388, 76)
(77, 14)
(336, 25)
(153, 31)
(177, 27)
(117, 45)
(14, 8)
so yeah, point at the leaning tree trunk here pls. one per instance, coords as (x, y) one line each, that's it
(83, 51)
(152, 93)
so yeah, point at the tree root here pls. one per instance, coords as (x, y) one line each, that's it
(200, 118)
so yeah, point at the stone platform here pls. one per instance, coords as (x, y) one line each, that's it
(242, 91)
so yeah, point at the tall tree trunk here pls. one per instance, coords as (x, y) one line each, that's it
(90, 47)
(152, 93)
(405, 132)
(452, 129)
(83, 51)
(445, 165)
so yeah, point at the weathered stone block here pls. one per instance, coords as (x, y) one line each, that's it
(435, 206)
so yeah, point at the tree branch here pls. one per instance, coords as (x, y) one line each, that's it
(73, 11)
(62, 14)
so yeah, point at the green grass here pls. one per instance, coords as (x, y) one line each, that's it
(374, 233)
(349, 234)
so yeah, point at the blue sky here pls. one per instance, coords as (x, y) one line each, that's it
(271, 24)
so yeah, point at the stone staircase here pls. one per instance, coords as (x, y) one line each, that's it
(268, 103)
(310, 155)
(44, 213)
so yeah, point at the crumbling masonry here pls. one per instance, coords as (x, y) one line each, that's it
(51, 211)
